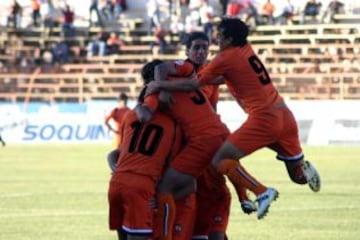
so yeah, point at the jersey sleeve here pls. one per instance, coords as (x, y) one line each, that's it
(214, 69)
(212, 93)
(184, 68)
(151, 102)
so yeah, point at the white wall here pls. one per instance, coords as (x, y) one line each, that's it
(320, 122)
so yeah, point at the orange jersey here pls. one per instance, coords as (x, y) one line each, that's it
(117, 114)
(193, 111)
(146, 146)
(245, 76)
(212, 93)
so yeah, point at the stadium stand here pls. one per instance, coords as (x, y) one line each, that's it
(304, 61)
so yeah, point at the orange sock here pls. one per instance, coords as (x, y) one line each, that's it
(239, 177)
(165, 217)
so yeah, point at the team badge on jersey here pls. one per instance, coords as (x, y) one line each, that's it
(218, 219)
(177, 228)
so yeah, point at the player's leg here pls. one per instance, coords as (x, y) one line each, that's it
(138, 237)
(217, 236)
(122, 235)
(259, 130)
(289, 150)
(130, 212)
(185, 217)
(226, 161)
(213, 207)
(172, 181)
(300, 170)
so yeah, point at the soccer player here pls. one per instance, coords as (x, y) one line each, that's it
(116, 115)
(145, 149)
(204, 133)
(213, 201)
(270, 123)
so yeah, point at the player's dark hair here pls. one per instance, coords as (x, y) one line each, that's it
(236, 29)
(123, 97)
(141, 96)
(195, 36)
(148, 70)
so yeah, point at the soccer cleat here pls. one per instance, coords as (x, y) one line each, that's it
(248, 206)
(312, 176)
(264, 200)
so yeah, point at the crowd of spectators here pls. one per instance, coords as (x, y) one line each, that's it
(165, 19)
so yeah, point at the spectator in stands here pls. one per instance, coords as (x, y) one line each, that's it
(288, 13)
(14, 18)
(206, 12)
(38, 60)
(60, 53)
(184, 11)
(312, 9)
(35, 12)
(268, 13)
(98, 45)
(315, 68)
(334, 7)
(224, 5)
(49, 13)
(159, 35)
(113, 43)
(119, 6)
(68, 22)
(250, 13)
(153, 13)
(107, 9)
(95, 7)
(234, 8)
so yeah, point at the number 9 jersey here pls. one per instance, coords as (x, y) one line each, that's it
(245, 76)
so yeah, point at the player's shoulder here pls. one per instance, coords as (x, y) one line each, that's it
(184, 67)
(130, 115)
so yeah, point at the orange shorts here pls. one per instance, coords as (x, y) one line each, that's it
(275, 128)
(213, 210)
(129, 197)
(197, 154)
(185, 217)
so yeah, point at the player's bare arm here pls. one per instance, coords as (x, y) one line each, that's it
(180, 85)
(164, 70)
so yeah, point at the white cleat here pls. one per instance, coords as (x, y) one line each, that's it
(312, 176)
(264, 200)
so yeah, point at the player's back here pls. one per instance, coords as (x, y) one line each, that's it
(195, 115)
(246, 77)
(146, 146)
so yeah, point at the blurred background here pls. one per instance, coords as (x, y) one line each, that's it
(64, 63)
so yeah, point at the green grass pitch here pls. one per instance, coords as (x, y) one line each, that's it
(59, 192)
